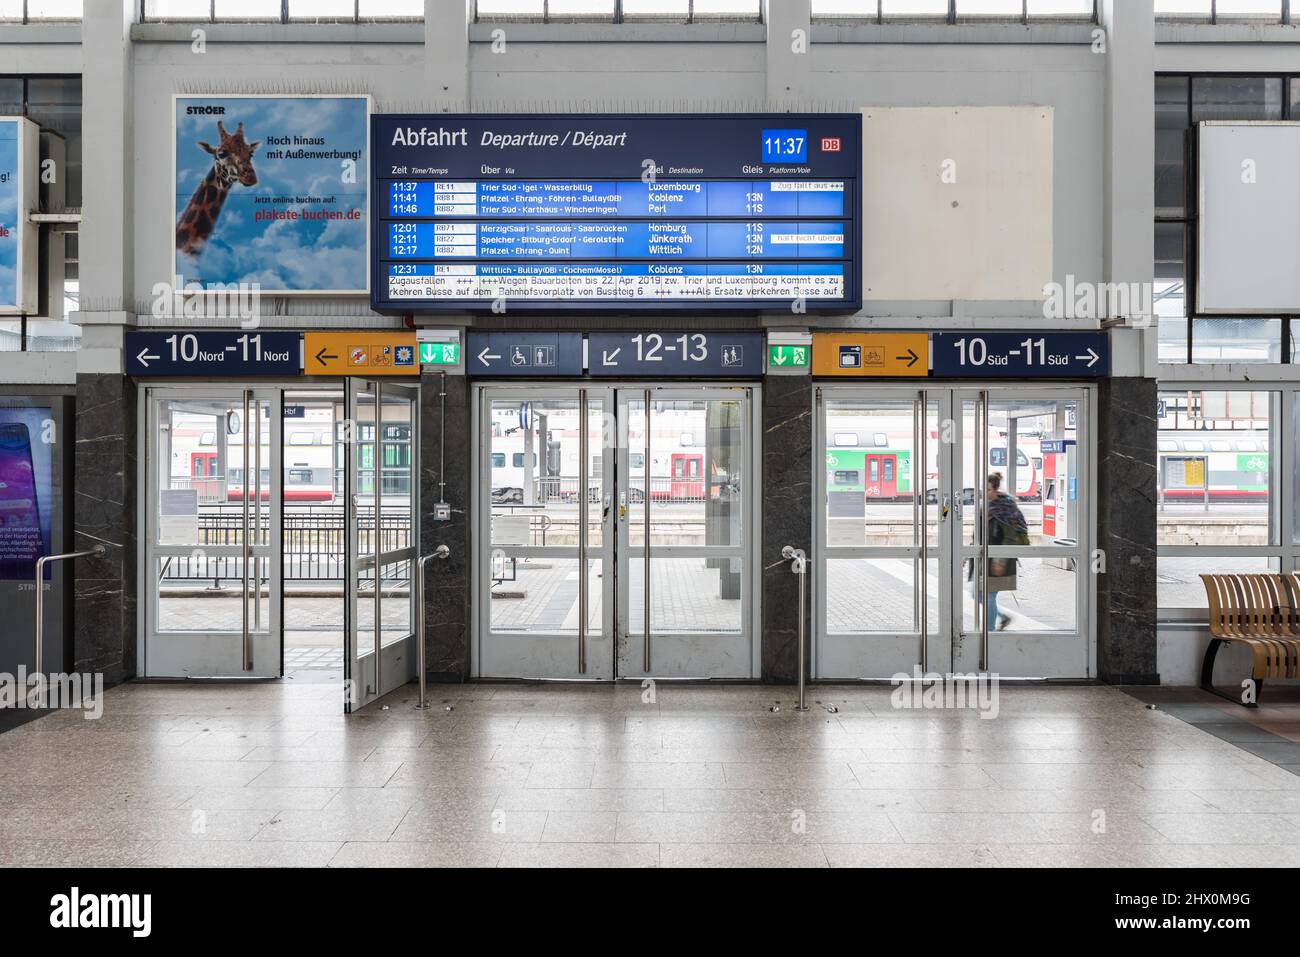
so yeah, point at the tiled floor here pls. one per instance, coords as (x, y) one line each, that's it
(554, 775)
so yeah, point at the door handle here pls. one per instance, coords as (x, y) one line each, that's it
(947, 507)
(622, 505)
(604, 508)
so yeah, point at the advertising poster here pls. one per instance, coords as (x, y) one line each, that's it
(272, 191)
(18, 238)
(26, 491)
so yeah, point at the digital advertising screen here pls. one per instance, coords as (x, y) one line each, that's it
(26, 490)
(695, 212)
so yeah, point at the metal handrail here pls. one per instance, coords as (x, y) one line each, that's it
(442, 551)
(798, 560)
(99, 551)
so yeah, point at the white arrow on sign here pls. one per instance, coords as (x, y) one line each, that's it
(145, 355)
(608, 358)
(779, 359)
(487, 355)
(1092, 358)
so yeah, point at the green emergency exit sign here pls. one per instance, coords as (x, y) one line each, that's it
(787, 357)
(439, 353)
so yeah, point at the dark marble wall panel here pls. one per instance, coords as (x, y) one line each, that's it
(104, 512)
(1126, 532)
(787, 517)
(447, 588)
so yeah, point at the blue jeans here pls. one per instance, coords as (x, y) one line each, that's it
(993, 610)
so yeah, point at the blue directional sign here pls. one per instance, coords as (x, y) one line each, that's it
(1056, 446)
(213, 354)
(675, 354)
(1020, 355)
(524, 354)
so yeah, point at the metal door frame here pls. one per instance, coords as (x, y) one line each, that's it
(946, 645)
(647, 659)
(611, 556)
(591, 656)
(183, 654)
(366, 678)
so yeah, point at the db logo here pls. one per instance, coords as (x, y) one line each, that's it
(830, 144)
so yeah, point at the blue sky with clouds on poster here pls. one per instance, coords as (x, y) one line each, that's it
(279, 255)
(9, 212)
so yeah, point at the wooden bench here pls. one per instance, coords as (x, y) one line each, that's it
(1261, 612)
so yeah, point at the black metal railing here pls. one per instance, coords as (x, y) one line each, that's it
(313, 545)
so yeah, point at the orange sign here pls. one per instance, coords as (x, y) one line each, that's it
(360, 353)
(871, 354)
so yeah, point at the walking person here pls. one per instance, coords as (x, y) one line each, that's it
(1007, 526)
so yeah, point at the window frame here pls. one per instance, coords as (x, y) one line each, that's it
(27, 18)
(1284, 530)
(284, 18)
(955, 16)
(1190, 218)
(618, 16)
(1214, 16)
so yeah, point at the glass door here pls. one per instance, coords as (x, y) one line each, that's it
(686, 531)
(1027, 580)
(545, 511)
(212, 556)
(910, 479)
(379, 439)
(878, 578)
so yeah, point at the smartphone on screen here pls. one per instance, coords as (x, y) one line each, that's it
(21, 541)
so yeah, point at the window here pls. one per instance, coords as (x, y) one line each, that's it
(1182, 101)
(1218, 511)
(302, 438)
(880, 440)
(296, 11)
(614, 11)
(636, 460)
(1221, 11)
(846, 440)
(498, 460)
(962, 10)
(26, 11)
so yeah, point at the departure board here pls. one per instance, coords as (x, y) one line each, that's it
(555, 212)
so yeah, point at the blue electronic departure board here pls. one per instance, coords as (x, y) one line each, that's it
(695, 212)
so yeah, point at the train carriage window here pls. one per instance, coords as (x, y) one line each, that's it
(1021, 458)
(1167, 446)
(299, 476)
(889, 470)
(848, 477)
(1194, 445)
(302, 438)
(997, 457)
(846, 439)
(1247, 447)
(881, 440)
(636, 460)
(498, 460)
(687, 439)
(873, 470)
(208, 438)
(1220, 445)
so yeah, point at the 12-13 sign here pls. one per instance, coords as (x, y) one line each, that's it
(682, 354)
